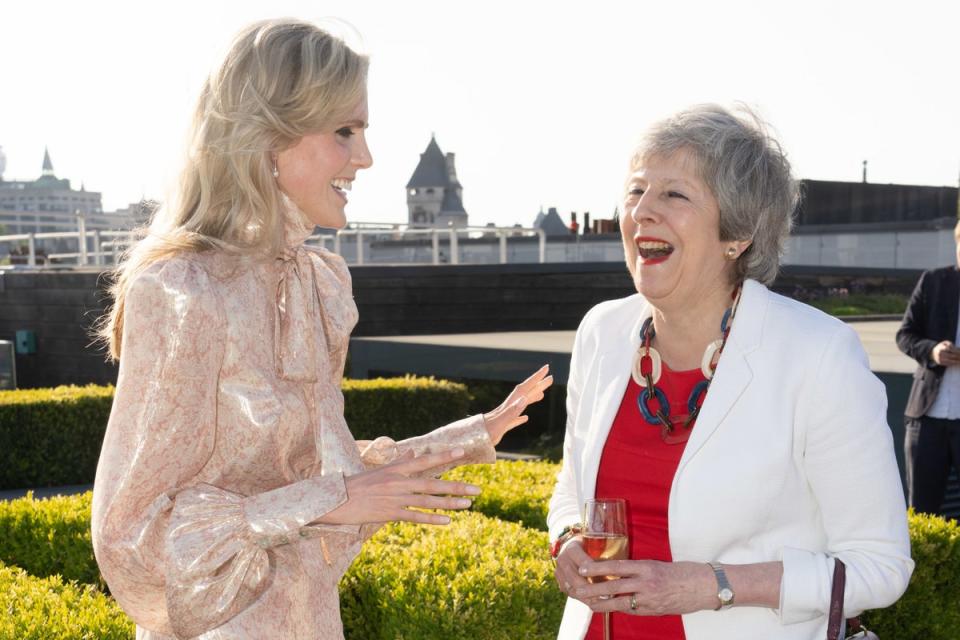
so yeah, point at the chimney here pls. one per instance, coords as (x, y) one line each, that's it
(864, 172)
(451, 169)
(586, 222)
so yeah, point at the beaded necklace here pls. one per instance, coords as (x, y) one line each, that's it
(647, 367)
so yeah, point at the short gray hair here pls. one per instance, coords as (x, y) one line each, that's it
(747, 171)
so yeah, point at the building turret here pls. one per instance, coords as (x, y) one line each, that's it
(434, 195)
(47, 165)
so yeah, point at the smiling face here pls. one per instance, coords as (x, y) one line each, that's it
(319, 169)
(671, 234)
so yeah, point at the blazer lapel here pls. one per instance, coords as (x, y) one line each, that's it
(613, 373)
(733, 374)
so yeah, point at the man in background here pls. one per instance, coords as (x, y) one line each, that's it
(929, 335)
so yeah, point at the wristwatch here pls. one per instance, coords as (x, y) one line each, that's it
(725, 592)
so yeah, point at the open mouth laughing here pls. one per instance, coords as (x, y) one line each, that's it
(653, 250)
(341, 186)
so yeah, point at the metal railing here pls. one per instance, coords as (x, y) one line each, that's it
(100, 247)
(452, 235)
(105, 244)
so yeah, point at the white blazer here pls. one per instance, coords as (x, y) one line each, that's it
(791, 459)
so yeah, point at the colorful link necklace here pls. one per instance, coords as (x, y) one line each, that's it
(647, 367)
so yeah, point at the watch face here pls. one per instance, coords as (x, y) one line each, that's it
(725, 595)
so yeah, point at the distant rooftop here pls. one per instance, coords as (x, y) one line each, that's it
(827, 202)
(431, 171)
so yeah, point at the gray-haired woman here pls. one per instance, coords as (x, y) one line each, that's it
(744, 429)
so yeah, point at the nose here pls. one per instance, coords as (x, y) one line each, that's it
(644, 209)
(362, 158)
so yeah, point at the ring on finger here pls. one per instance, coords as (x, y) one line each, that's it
(566, 587)
(634, 605)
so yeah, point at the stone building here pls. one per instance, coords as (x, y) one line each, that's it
(434, 195)
(48, 193)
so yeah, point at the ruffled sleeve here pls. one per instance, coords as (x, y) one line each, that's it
(218, 545)
(470, 434)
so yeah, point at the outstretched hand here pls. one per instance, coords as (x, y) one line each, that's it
(510, 414)
(386, 493)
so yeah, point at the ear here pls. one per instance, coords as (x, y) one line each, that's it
(741, 246)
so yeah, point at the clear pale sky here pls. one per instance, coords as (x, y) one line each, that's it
(540, 101)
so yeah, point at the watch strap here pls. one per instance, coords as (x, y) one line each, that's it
(725, 593)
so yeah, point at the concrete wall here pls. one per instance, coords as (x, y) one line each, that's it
(61, 307)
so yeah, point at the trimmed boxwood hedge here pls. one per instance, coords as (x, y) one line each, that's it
(49, 537)
(514, 491)
(52, 437)
(930, 609)
(402, 407)
(477, 579)
(34, 608)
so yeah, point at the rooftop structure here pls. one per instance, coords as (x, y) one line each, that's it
(434, 195)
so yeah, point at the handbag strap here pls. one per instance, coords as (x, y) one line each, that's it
(836, 599)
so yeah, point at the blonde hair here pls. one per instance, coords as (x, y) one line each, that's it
(280, 80)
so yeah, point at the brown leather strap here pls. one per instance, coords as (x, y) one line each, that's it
(836, 599)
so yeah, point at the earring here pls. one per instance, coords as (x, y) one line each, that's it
(276, 171)
(731, 253)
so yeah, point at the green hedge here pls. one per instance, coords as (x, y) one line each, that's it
(513, 491)
(52, 437)
(34, 608)
(402, 407)
(477, 579)
(930, 609)
(49, 537)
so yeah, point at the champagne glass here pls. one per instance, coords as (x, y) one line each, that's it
(604, 537)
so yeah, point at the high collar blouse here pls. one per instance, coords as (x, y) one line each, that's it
(227, 442)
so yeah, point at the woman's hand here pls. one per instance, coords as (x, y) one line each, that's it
(510, 414)
(569, 560)
(649, 587)
(386, 493)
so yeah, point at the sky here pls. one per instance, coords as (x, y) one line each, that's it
(542, 102)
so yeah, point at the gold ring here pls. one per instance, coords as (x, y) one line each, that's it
(633, 602)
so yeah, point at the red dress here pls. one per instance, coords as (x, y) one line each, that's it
(638, 466)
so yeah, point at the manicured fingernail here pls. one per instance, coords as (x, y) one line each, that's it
(444, 520)
(583, 571)
(463, 503)
(457, 453)
(472, 490)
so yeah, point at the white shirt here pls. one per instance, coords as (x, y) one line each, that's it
(947, 403)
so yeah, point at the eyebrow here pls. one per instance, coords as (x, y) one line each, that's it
(357, 124)
(635, 178)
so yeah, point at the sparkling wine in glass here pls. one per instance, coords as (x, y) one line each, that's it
(604, 537)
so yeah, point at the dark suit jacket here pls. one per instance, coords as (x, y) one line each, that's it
(931, 317)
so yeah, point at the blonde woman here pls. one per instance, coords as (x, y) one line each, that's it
(230, 496)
